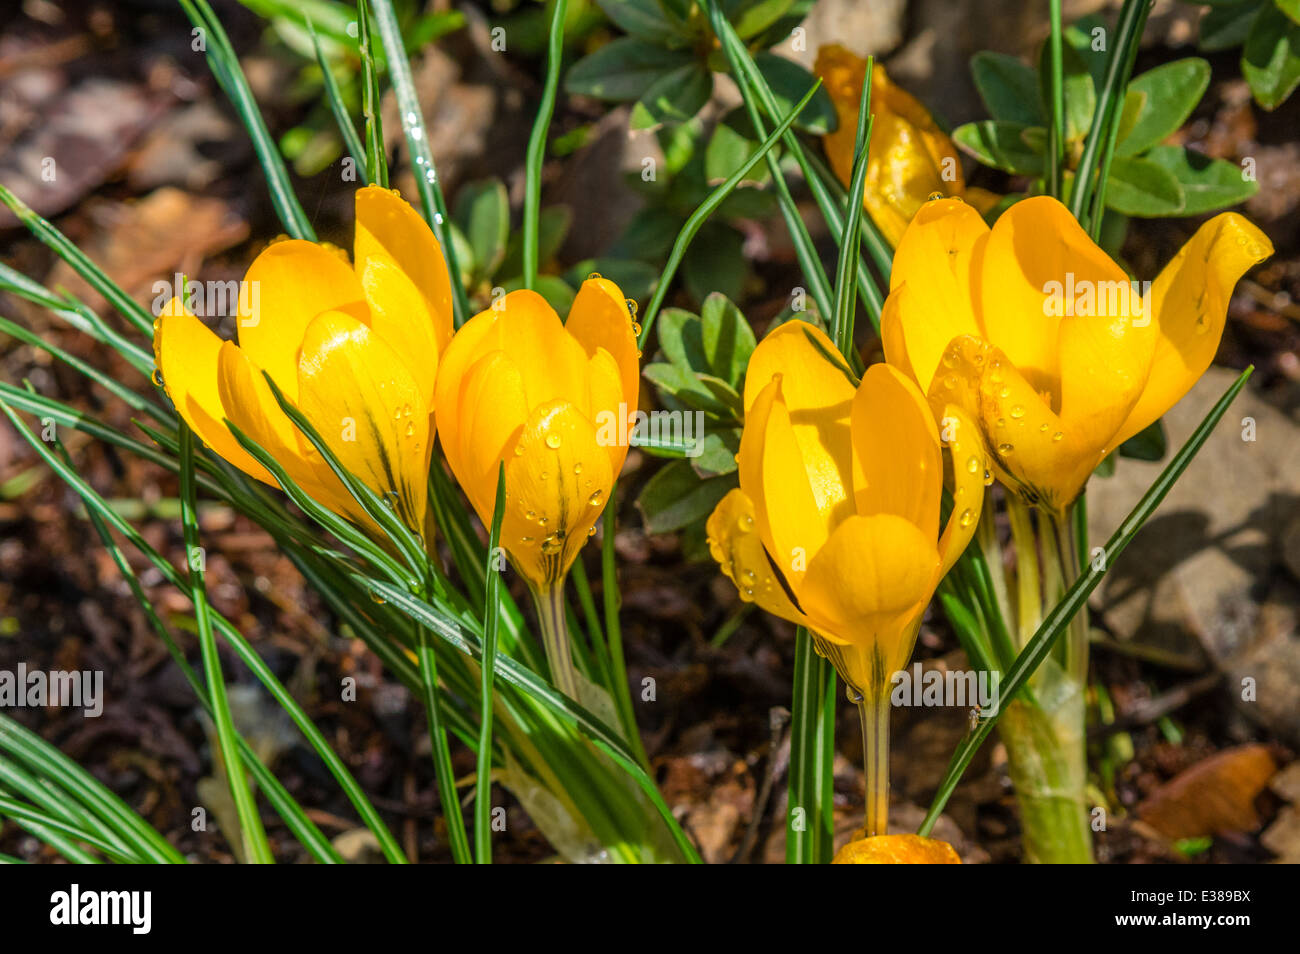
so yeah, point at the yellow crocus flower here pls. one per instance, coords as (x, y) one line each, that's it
(896, 850)
(835, 525)
(1043, 339)
(354, 345)
(555, 403)
(909, 157)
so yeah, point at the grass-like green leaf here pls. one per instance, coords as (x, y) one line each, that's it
(491, 625)
(706, 208)
(417, 144)
(230, 75)
(253, 836)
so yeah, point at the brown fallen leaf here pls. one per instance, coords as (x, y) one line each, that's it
(1214, 795)
(136, 243)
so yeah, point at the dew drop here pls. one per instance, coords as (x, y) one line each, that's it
(596, 497)
(1018, 412)
(1005, 449)
(410, 428)
(1059, 435)
(156, 378)
(745, 523)
(577, 468)
(966, 517)
(553, 441)
(934, 196)
(973, 464)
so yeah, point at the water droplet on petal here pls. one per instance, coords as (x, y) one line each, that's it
(1058, 436)
(1005, 449)
(553, 441)
(973, 465)
(596, 497)
(1018, 412)
(966, 517)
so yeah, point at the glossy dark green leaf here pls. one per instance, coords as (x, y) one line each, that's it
(1270, 60)
(635, 279)
(482, 213)
(683, 386)
(1003, 145)
(718, 453)
(728, 338)
(716, 262)
(728, 150)
(1227, 25)
(676, 496)
(623, 69)
(1169, 94)
(1008, 87)
(789, 82)
(1139, 187)
(1150, 443)
(674, 97)
(1080, 89)
(752, 17)
(645, 19)
(1208, 184)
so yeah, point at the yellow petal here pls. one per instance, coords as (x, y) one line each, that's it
(400, 316)
(557, 485)
(868, 586)
(794, 521)
(487, 428)
(471, 342)
(1030, 448)
(896, 850)
(613, 418)
(186, 353)
(388, 229)
(734, 542)
(551, 361)
(910, 158)
(292, 282)
(931, 287)
(1105, 361)
(600, 319)
(897, 465)
(252, 408)
(908, 153)
(359, 396)
(818, 393)
(1036, 243)
(1190, 303)
(969, 461)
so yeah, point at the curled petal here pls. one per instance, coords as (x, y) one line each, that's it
(735, 544)
(793, 521)
(389, 230)
(969, 463)
(1031, 449)
(252, 408)
(817, 392)
(487, 428)
(1189, 299)
(186, 353)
